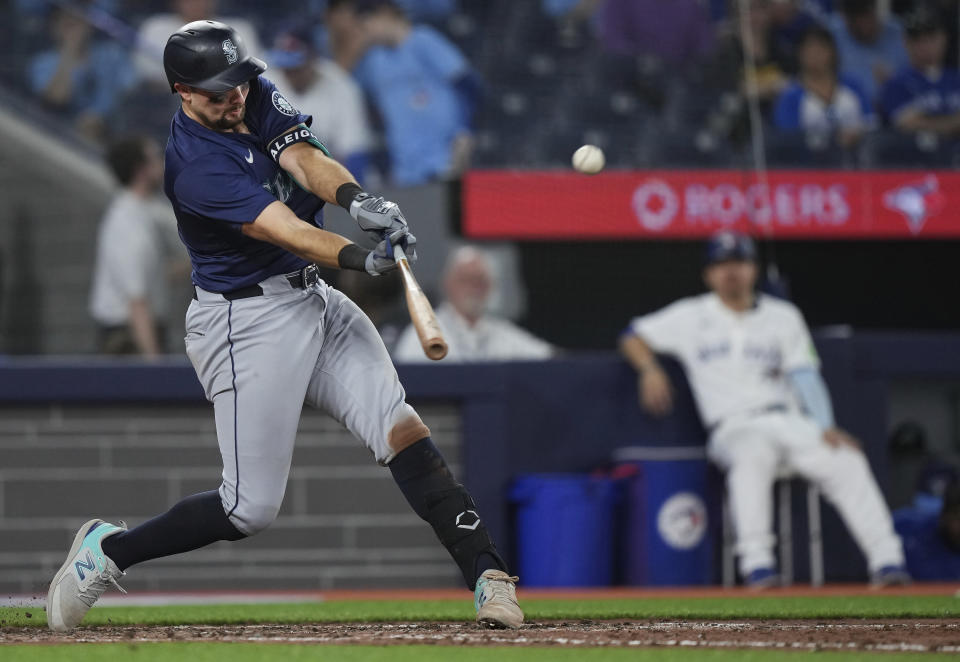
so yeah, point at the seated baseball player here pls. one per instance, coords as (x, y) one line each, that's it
(755, 376)
(471, 332)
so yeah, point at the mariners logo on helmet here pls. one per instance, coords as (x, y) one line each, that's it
(280, 103)
(230, 50)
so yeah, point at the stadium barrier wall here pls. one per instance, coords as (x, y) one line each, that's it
(504, 419)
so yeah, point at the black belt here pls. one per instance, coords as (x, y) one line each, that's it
(769, 409)
(300, 280)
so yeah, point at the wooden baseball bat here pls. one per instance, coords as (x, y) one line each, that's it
(421, 312)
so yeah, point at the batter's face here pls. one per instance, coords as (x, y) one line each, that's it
(732, 280)
(222, 111)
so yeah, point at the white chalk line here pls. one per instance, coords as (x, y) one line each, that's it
(562, 641)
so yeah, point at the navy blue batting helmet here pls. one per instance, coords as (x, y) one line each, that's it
(728, 245)
(210, 56)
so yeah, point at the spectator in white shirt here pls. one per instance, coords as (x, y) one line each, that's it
(319, 87)
(472, 334)
(129, 294)
(155, 31)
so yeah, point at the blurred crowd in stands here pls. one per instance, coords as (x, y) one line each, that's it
(409, 91)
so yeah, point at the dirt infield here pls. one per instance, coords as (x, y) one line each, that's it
(923, 635)
(148, 598)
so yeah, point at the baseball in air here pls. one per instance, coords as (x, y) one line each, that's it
(589, 160)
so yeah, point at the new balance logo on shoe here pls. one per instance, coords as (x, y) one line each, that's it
(89, 564)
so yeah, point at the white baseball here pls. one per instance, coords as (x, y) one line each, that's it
(589, 160)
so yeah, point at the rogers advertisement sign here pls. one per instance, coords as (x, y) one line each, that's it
(692, 204)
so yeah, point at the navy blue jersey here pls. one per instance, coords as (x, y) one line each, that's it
(219, 181)
(912, 90)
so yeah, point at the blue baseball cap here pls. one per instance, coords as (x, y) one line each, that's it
(728, 245)
(290, 50)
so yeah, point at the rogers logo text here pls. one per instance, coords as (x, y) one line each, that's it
(657, 205)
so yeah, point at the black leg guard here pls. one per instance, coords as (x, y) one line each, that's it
(425, 480)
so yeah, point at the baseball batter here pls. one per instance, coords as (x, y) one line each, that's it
(248, 181)
(755, 376)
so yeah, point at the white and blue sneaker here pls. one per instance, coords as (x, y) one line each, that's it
(762, 578)
(890, 575)
(496, 600)
(83, 577)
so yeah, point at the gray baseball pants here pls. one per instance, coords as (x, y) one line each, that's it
(260, 358)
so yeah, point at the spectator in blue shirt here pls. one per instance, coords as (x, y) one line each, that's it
(930, 530)
(424, 90)
(820, 101)
(871, 47)
(924, 97)
(81, 77)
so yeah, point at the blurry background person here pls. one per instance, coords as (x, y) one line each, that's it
(422, 87)
(571, 17)
(676, 33)
(789, 22)
(433, 11)
(655, 48)
(870, 45)
(319, 87)
(471, 333)
(345, 38)
(81, 76)
(771, 61)
(949, 13)
(129, 296)
(924, 96)
(750, 362)
(155, 31)
(819, 101)
(930, 525)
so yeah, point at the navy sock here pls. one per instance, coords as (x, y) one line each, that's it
(192, 523)
(434, 494)
(487, 562)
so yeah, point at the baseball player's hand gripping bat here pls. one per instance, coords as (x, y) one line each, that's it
(421, 312)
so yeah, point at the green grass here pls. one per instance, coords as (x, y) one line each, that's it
(211, 652)
(879, 606)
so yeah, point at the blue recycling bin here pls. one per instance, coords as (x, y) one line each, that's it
(669, 538)
(564, 529)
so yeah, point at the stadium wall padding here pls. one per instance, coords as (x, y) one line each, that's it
(564, 415)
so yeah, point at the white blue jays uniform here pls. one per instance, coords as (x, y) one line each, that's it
(737, 365)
